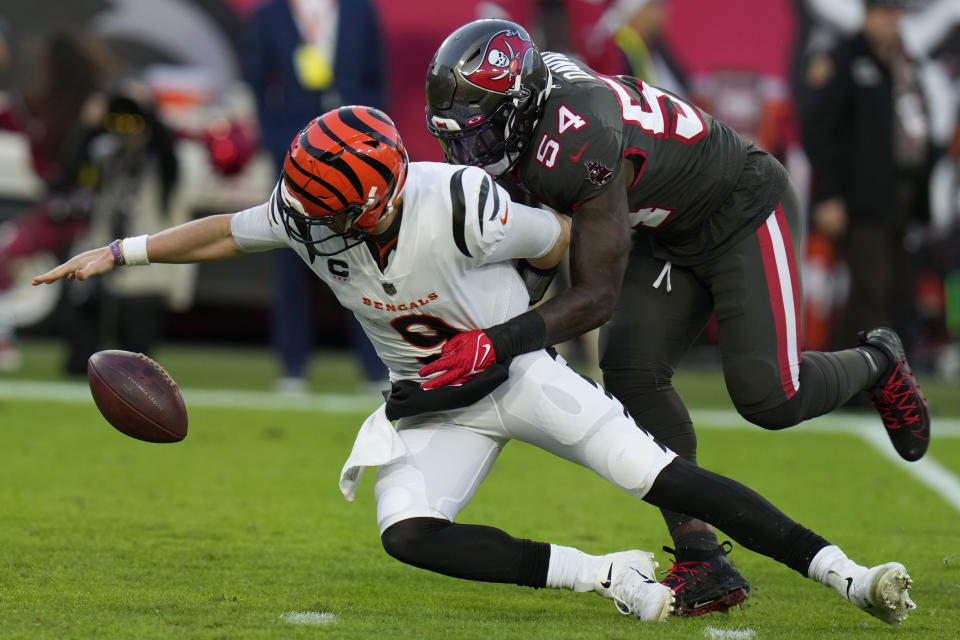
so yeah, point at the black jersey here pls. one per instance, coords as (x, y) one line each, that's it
(687, 164)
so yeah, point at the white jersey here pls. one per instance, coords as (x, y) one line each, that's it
(451, 270)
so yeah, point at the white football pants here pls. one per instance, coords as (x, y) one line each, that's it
(543, 403)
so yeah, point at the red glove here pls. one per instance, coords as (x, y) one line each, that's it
(464, 356)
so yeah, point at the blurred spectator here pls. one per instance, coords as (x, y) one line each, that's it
(932, 34)
(68, 70)
(303, 58)
(589, 34)
(127, 159)
(819, 25)
(636, 27)
(865, 129)
(411, 39)
(4, 46)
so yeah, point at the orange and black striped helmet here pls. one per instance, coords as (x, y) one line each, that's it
(344, 171)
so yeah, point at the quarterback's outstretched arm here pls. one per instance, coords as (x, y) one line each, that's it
(203, 240)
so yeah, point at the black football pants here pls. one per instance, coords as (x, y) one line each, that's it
(754, 290)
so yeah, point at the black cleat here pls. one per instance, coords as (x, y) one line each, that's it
(705, 581)
(897, 397)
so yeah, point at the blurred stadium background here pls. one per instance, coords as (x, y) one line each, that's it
(736, 59)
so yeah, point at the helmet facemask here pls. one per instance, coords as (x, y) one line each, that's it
(307, 229)
(496, 143)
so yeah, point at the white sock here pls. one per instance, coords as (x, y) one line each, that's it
(832, 567)
(571, 568)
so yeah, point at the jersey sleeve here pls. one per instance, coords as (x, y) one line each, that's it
(580, 150)
(258, 228)
(489, 227)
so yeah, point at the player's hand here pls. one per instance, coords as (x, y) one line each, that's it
(830, 217)
(464, 356)
(81, 267)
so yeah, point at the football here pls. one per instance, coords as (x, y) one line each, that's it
(137, 396)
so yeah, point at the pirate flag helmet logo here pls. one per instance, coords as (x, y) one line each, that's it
(502, 62)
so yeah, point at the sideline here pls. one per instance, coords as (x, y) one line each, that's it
(928, 471)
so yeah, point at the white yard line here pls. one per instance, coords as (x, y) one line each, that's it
(713, 633)
(928, 471)
(309, 617)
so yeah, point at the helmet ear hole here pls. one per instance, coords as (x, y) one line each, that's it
(473, 56)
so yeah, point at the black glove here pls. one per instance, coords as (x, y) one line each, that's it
(407, 398)
(536, 280)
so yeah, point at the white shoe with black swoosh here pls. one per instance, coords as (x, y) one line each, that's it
(614, 563)
(883, 592)
(640, 595)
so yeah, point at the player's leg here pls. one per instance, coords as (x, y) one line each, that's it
(9, 354)
(759, 526)
(874, 290)
(419, 496)
(650, 332)
(875, 287)
(291, 318)
(575, 419)
(572, 417)
(756, 293)
(36, 231)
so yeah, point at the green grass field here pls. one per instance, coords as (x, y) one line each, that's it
(240, 531)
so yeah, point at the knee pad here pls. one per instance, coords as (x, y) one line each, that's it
(756, 390)
(409, 540)
(632, 382)
(786, 414)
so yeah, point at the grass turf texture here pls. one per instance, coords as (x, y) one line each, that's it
(223, 534)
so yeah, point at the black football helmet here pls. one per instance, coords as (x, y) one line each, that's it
(486, 86)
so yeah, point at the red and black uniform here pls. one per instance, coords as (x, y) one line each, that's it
(716, 226)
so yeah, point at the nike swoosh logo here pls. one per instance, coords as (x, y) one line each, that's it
(849, 584)
(606, 583)
(480, 359)
(574, 158)
(645, 577)
(506, 211)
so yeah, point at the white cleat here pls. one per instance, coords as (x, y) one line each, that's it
(615, 563)
(639, 594)
(883, 592)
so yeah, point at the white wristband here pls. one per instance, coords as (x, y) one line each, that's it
(135, 251)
